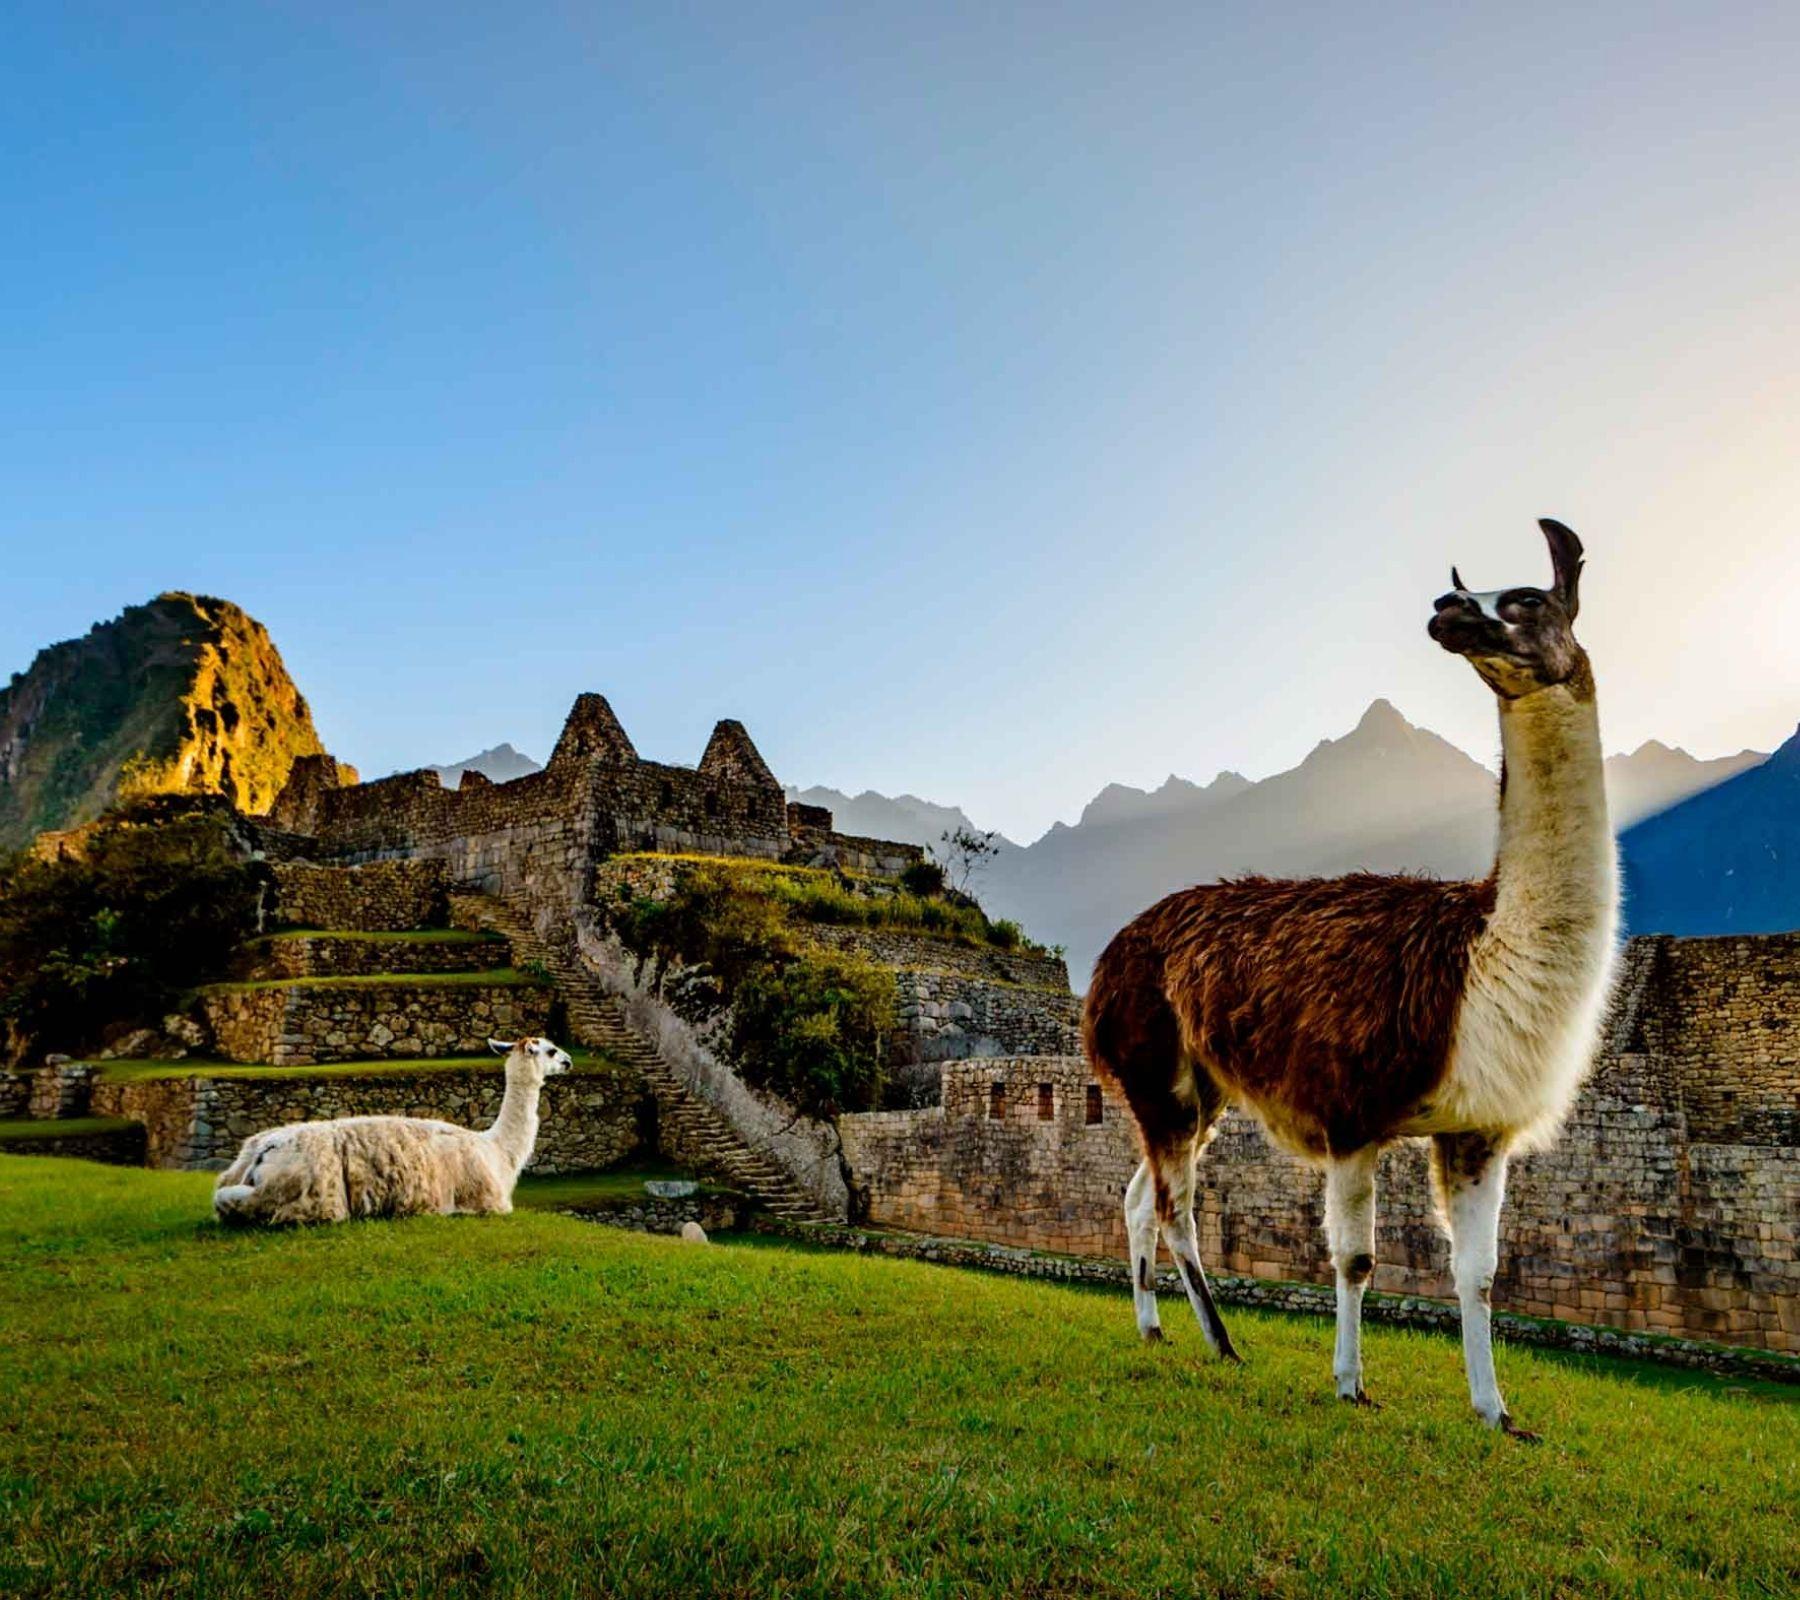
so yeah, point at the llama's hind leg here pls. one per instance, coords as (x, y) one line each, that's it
(1175, 1197)
(1470, 1174)
(1140, 1232)
(1350, 1231)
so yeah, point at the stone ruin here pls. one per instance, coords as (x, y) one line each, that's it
(539, 839)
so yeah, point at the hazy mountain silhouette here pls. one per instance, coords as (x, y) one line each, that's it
(1724, 861)
(501, 764)
(903, 817)
(1386, 797)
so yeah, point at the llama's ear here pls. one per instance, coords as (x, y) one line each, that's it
(500, 1047)
(1565, 556)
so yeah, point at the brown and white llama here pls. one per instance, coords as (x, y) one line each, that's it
(1347, 1013)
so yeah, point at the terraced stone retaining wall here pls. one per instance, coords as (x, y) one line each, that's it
(321, 955)
(588, 1119)
(382, 897)
(302, 1024)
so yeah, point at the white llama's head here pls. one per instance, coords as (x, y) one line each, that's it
(531, 1060)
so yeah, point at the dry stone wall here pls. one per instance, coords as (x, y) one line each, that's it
(587, 1118)
(1627, 1222)
(1724, 1014)
(320, 955)
(384, 897)
(301, 1024)
(946, 1018)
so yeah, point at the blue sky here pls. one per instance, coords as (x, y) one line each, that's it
(987, 406)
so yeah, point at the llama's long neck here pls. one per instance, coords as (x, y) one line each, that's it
(1556, 870)
(515, 1130)
(1538, 975)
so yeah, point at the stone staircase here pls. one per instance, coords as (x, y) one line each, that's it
(690, 1127)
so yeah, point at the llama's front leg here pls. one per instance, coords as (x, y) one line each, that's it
(1140, 1231)
(1472, 1179)
(1350, 1232)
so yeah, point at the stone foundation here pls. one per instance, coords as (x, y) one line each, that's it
(588, 1119)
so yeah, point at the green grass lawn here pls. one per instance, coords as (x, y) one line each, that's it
(584, 1061)
(531, 1405)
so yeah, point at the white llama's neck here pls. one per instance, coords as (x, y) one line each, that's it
(515, 1130)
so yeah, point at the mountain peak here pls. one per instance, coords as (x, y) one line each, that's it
(184, 694)
(1383, 716)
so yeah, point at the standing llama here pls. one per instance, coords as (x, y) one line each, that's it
(1350, 1012)
(391, 1166)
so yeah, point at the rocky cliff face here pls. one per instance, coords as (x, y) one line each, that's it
(187, 694)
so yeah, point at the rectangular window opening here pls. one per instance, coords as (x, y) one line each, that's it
(1094, 1107)
(1046, 1102)
(996, 1101)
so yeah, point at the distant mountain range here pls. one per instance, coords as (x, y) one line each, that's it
(1387, 796)
(501, 764)
(1723, 861)
(903, 817)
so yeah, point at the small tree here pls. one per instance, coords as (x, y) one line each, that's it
(964, 853)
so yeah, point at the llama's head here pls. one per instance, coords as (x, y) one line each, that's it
(533, 1060)
(1522, 639)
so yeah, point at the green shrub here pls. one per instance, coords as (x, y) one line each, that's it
(812, 1030)
(923, 878)
(157, 900)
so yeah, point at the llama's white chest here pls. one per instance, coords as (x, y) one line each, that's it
(1528, 1025)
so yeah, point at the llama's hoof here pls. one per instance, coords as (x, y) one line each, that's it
(1153, 1335)
(1231, 1358)
(1513, 1431)
(1360, 1397)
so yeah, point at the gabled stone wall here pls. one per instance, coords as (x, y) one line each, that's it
(537, 839)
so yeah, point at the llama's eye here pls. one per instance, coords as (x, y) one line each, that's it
(1527, 602)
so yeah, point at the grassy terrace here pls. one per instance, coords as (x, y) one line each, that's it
(812, 894)
(497, 977)
(585, 1061)
(25, 1130)
(613, 1186)
(531, 1405)
(416, 936)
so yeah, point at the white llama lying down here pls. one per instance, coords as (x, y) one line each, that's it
(391, 1166)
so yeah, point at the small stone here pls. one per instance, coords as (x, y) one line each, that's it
(693, 1233)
